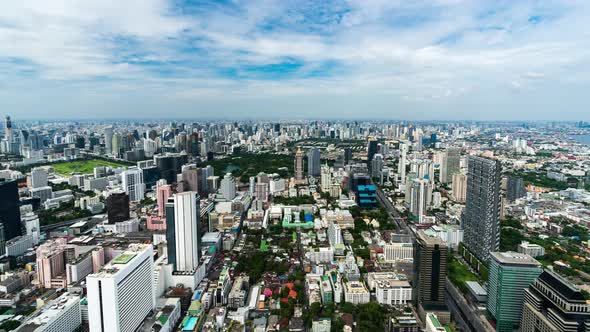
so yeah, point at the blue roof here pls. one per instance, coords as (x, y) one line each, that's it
(190, 325)
(308, 217)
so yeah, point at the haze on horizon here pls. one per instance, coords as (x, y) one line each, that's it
(379, 59)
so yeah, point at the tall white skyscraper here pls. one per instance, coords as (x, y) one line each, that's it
(38, 177)
(228, 186)
(187, 236)
(122, 293)
(420, 197)
(133, 184)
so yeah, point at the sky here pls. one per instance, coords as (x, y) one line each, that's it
(314, 59)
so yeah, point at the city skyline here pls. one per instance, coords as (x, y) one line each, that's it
(439, 60)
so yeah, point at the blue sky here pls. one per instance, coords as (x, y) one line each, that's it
(382, 59)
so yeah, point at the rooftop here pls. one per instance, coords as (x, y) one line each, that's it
(514, 258)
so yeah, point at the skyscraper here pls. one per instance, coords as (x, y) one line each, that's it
(183, 233)
(403, 151)
(122, 293)
(450, 164)
(299, 165)
(326, 178)
(510, 274)
(481, 217)
(118, 207)
(420, 198)
(228, 187)
(133, 184)
(313, 162)
(377, 166)
(347, 155)
(108, 139)
(38, 177)
(372, 147)
(514, 188)
(459, 187)
(9, 209)
(552, 303)
(430, 261)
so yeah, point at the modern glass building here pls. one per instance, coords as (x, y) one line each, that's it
(510, 274)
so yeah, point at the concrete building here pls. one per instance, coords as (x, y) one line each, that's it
(449, 165)
(390, 288)
(481, 217)
(334, 234)
(553, 304)
(132, 182)
(60, 315)
(38, 177)
(182, 231)
(459, 187)
(122, 294)
(430, 265)
(228, 187)
(397, 251)
(355, 292)
(299, 165)
(531, 249)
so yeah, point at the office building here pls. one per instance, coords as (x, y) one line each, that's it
(62, 314)
(122, 293)
(347, 155)
(377, 166)
(170, 165)
(355, 292)
(108, 139)
(325, 178)
(9, 209)
(38, 178)
(531, 249)
(481, 217)
(372, 149)
(183, 231)
(299, 165)
(133, 184)
(118, 207)
(403, 151)
(509, 275)
(228, 187)
(398, 251)
(313, 162)
(553, 304)
(514, 188)
(390, 288)
(430, 265)
(450, 164)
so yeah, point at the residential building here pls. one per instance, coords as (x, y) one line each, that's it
(481, 217)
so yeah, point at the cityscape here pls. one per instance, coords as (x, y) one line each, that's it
(294, 165)
(295, 226)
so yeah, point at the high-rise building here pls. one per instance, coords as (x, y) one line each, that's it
(420, 198)
(553, 304)
(430, 265)
(38, 178)
(299, 165)
(459, 187)
(9, 209)
(450, 164)
(481, 217)
(108, 139)
(510, 274)
(377, 166)
(118, 207)
(122, 293)
(228, 187)
(372, 147)
(325, 178)
(334, 234)
(133, 184)
(514, 188)
(163, 192)
(403, 151)
(313, 162)
(347, 155)
(183, 233)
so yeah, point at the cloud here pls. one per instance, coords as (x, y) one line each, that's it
(425, 53)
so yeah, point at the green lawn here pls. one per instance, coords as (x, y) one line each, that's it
(82, 166)
(460, 273)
